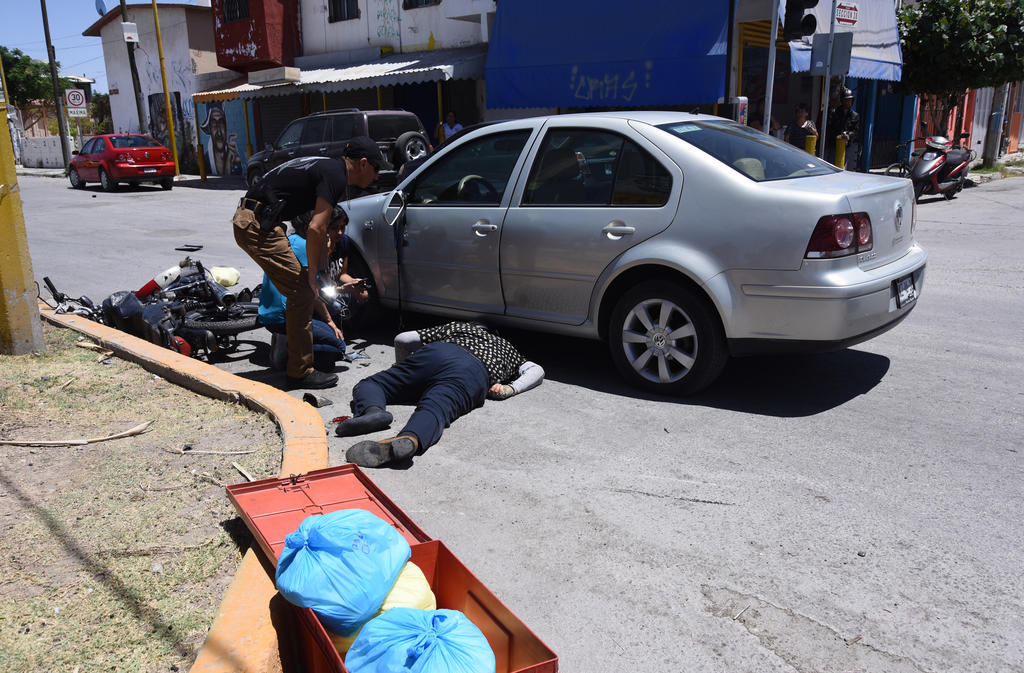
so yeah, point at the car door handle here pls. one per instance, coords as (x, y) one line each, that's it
(483, 227)
(616, 230)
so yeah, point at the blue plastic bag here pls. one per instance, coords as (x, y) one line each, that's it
(420, 641)
(342, 565)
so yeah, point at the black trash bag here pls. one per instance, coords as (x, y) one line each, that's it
(121, 309)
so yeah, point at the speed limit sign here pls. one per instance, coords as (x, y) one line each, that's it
(75, 100)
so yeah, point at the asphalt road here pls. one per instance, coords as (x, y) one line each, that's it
(857, 511)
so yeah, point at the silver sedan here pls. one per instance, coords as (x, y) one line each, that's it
(678, 239)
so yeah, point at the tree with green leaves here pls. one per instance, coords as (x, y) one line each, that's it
(950, 46)
(27, 78)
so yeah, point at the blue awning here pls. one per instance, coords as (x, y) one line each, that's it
(571, 53)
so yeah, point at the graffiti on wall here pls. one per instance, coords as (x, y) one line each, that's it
(388, 26)
(221, 124)
(158, 128)
(608, 87)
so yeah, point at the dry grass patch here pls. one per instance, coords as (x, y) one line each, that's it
(116, 554)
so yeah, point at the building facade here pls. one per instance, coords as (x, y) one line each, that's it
(191, 64)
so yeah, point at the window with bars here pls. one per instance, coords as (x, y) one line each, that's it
(342, 10)
(235, 10)
(413, 4)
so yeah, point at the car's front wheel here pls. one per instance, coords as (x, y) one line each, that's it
(106, 182)
(252, 176)
(665, 338)
(76, 179)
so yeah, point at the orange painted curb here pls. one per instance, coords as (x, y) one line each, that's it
(244, 635)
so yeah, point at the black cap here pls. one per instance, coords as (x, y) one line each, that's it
(847, 94)
(361, 147)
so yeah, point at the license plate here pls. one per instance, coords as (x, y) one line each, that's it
(149, 170)
(906, 293)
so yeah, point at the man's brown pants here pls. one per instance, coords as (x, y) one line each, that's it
(271, 250)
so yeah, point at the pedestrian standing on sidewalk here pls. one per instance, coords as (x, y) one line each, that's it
(797, 132)
(293, 188)
(446, 371)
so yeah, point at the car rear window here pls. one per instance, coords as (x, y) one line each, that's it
(756, 155)
(125, 142)
(389, 127)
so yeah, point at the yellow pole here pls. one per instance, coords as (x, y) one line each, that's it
(324, 95)
(810, 142)
(245, 115)
(167, 93)
(20, 329)
(199, 142)
(380, 100)
(841, 153)
(3, 81)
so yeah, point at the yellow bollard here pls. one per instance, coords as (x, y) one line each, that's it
(20, 329)
(810, 144)
(840, 152)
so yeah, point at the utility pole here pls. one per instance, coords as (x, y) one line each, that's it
(167, 93)
(56, 86)
(766, 125)
(135, 72)
(995, 126)
(20, 330)
(828, 81)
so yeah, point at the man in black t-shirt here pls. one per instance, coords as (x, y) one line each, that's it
(295, 187)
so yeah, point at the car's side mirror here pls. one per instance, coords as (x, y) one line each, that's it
(269, 147)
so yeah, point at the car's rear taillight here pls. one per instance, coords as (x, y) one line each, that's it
(167, 156)
(840, 235)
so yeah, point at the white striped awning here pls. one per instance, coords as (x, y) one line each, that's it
(409, 68)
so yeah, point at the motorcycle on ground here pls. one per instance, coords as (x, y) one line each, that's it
(940, 168)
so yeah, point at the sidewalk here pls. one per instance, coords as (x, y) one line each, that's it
(212, 181)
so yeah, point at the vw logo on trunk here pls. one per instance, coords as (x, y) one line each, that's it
(899, 216)
(147, 156)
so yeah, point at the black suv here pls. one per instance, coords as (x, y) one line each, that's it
(398, 133)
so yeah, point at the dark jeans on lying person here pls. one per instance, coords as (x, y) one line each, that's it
(327, 347)
(443, 380)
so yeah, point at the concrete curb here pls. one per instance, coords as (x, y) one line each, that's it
(243, 636)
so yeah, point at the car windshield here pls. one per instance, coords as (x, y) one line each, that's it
(756, 155)
(124, 142)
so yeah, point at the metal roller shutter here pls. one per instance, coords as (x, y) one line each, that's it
(275, 113)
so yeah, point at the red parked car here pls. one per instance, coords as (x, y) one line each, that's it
(121, 157)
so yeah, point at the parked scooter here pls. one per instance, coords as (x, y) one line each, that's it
(940, 168)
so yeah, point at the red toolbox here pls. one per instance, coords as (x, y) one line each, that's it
(273, 508)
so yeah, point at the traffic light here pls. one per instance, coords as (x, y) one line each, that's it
(796, 24)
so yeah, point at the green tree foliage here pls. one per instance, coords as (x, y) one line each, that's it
(99, 113)
(950, 46)
(27, 78)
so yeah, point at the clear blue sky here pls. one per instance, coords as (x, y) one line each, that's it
(21, 27)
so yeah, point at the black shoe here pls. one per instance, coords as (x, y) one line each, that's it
(371, 420)
(314, 379)
(376, 454)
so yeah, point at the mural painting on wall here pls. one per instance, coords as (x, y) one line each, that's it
(158, 129)
(221, 125)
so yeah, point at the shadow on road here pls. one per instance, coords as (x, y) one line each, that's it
(779, 385)
(227, 182)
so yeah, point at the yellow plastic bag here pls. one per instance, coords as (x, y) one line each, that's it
(225, 275)
(411, 590)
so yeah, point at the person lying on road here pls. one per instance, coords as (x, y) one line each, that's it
(446, 371)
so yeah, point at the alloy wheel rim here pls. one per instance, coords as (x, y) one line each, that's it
(417, 149)
(659, 340)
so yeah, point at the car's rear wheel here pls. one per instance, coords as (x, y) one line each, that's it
(667, 339)
(106, 182)
(410, 146)
(167, 183)
(76, 179)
